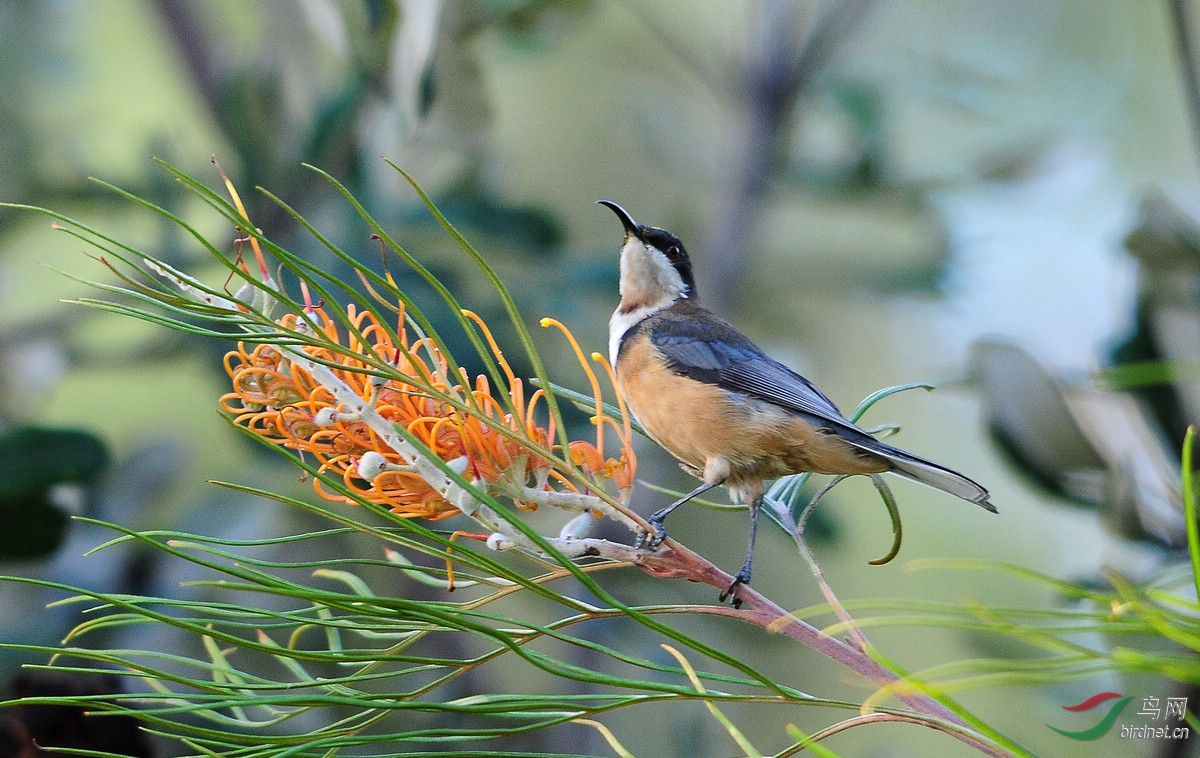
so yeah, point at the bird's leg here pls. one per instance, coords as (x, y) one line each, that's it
(647, 540)
(743, 574)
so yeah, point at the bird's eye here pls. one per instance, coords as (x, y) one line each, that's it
(673, 252)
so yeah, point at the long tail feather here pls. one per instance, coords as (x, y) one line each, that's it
(926, 472)
(939, 477)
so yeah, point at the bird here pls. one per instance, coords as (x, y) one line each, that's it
(728, 412)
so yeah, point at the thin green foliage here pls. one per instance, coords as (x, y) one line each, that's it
(1189, 504)
(787, 507)
(319, 655)
(339, 646)
(1120, 628)
(1149, 373)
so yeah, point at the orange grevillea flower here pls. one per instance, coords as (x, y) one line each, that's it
(412, 386)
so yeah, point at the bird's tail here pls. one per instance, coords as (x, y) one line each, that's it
(918, 469)
(939, 477)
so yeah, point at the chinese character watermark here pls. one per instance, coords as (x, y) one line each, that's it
(1153, 708)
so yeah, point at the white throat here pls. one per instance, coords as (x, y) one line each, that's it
(621, 322)
(649, 283)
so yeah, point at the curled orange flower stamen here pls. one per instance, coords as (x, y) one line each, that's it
(279, 399)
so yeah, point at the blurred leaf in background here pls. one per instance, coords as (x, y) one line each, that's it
(38, 468)
(869, 187)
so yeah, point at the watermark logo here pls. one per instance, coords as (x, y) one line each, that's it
(1174, 709)
(1105, 723)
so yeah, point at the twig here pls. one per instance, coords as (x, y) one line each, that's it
(826, 590)
(673, 560)
(877, 718)
(770, 85)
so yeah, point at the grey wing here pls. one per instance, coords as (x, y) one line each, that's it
(718, 354)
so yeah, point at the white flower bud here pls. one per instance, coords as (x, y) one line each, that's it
(499, 542)
(371, 465)
(327, 416)
(244, 293)
(577, 527)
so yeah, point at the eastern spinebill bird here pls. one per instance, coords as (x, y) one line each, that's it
(730, 414)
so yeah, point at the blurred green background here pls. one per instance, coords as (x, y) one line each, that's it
(867, 188)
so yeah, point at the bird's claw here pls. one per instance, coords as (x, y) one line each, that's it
(740, 578)
(652, 539)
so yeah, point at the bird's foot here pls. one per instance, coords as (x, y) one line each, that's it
(652, 539)
(741, 577)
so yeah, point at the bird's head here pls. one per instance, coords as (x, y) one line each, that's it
(655, 268)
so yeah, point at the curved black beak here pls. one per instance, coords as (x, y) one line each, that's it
(631, 226)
